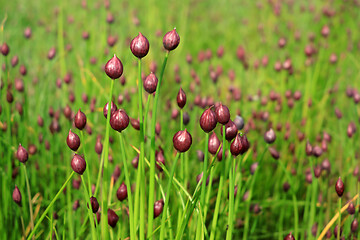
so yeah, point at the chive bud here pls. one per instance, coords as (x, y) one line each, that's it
(171, 40)
(78, 164)
(139, 46)
(182, 141)
(22, 154)
(73, 141)
(114, 68)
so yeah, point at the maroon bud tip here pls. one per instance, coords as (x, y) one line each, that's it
(21, 154)
(139, 46)
(354, 225)
(351, 208)
(113, 218)
(208, 120)
(222, 114)
(308, 149)
(150, 83)
(236, 146)
(214, 143)
(94, 204)
(230, 130)
(114, 68)
(73, 141)
(160, 160)
(80, 120)
(270, 136)
(274, 153)
(289, 237)
(17, 196)
(182, 141)
(119, 120)
(78, 164)
(112, 111)
(5, 49)
(121, 193)
(339, 187)
(171, 40)
(158, 208)
(181, 98)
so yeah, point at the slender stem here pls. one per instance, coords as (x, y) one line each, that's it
(152, 153)
(163, 217)
(141, 157)
(296, 216)
(87, 162)
(296, 210)
(49, 207)
(247, 216)
(29, 196)
(182, 170)
(204, 177)
(217, 207)
(231, 200)
(313, 197)
(203, 184)
(339, 221)
(128, 186)
(99, 174)
(70, 220)
(104, 202)
(139, 173)
(89, 208)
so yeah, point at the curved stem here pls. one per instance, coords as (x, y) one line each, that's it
(162, 229)
(231, 199)
(247, 217)
(203, 183)
(141, 157)
(87, 162)
(339, 221)
(29, 196)
(104, 202)
(152, 153)
(50, 205)
(128, 186)
(90, 213)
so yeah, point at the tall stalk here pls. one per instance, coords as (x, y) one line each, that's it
(152, 152)
(142, 185)
(128, 186)
(203, 184)
(162, 229)
(29, 196)
(104, 195)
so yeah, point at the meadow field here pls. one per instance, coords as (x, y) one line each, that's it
(260, 98)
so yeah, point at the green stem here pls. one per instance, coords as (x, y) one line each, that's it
(87, 162)
(247, 216)
(339, 220)
(217, 207)
(49, 207)
(182, 170)
(90, 213)
(162, 229)
(313, 198)
(128, 186)
(141, 157)
(29, 196)
(104, 192)
(296, 210)
(203, 184)
(231, 199)
(152, 153)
